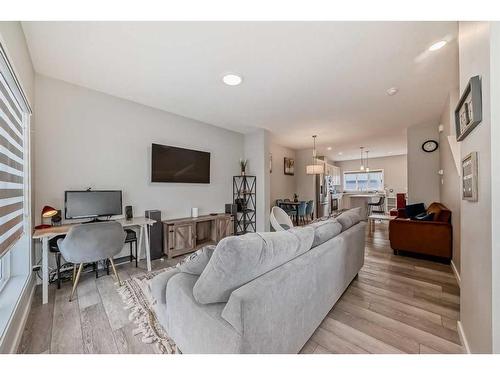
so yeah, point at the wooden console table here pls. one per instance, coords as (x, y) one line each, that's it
(186, 235)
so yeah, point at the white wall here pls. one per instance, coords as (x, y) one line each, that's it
(305, 184)
(450, 184)
(495, 179)
(395, 176)
(423, 167)
(257, 150)
(476, 231)
(282, 186)
(88, 139)
(21, 284)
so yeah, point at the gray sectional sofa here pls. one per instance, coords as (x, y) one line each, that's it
(261, 292)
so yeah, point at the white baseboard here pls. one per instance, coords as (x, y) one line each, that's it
(455, 271)
(463, 338)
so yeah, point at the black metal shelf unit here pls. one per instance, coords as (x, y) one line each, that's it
(245, 198)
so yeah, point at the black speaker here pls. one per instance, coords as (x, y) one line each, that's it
(231, 208)
(155, 233)
(128, 212)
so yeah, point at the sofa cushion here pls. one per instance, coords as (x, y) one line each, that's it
(197, 261)
(325, 230)
(158, 285)
(349, 218)
(413, 210)
(240, 259)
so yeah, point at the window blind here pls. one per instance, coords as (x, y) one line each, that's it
(12, 157)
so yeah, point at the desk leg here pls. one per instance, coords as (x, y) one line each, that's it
(141, 237)
(297, 215)
(147, 247)
(45, 270)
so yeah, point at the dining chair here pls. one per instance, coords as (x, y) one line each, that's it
(302, 211)
(310, 210)
(380, 204)
(90, 243)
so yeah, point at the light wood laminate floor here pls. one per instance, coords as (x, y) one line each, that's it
(396, 305)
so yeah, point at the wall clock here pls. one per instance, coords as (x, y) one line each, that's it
(430, 146)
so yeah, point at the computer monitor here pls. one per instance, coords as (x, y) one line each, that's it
(92, 203)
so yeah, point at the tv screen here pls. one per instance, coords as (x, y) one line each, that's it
(85, 204)
(174, 164)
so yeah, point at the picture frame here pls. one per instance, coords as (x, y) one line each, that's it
(469, 111)
(470, 177)
(289, 166)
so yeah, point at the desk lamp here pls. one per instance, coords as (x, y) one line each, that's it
(47, 212)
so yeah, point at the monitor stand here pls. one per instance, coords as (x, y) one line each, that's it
(96, 220)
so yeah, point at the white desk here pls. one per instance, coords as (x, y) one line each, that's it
(46, 234)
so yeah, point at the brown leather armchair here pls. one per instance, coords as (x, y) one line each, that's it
(432, 238)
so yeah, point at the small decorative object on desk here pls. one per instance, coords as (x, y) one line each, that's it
(47, 212)
(295, 197)
(243, 166)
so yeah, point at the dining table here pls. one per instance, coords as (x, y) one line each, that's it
(294, 204)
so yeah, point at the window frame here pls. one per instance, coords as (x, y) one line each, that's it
(4, 270)
(357, 172)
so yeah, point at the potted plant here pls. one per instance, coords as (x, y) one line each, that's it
(243, 166)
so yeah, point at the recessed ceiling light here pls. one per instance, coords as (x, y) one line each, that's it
(329, 148)
(437, 45)
(232, 79)
(392, 91)
(340, 153)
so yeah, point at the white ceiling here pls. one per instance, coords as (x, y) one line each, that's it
(300, 78)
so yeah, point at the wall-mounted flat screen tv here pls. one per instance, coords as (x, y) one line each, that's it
(174, 164)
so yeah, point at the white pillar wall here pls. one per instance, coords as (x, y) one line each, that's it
(257, 151)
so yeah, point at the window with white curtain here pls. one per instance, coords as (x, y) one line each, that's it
(364, 181)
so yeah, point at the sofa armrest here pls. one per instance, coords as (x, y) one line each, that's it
(426, 237)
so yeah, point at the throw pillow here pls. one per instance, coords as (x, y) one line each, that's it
(413, 210)
(325, 230)
(238, 260)
(197, 261)
(349, 218)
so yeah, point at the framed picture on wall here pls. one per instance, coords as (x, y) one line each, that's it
(469, 111)
(469, 177)
(289, 166)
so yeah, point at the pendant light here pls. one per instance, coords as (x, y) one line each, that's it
(362, 166)
(367, 169)
(314, 168)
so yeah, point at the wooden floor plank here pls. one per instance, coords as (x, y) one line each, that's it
(335, 344)
(96, 331)
(358, 338)
(38, 328)
(389, 337)
(66, 327)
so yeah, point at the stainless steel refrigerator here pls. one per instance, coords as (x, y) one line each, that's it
(323, 187)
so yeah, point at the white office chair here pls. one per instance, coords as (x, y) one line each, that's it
(279, 219)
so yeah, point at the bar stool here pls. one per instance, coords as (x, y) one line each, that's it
(130, 239)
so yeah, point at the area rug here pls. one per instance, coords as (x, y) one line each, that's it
(137, 297)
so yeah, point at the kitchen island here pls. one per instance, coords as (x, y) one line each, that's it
(360, 200)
